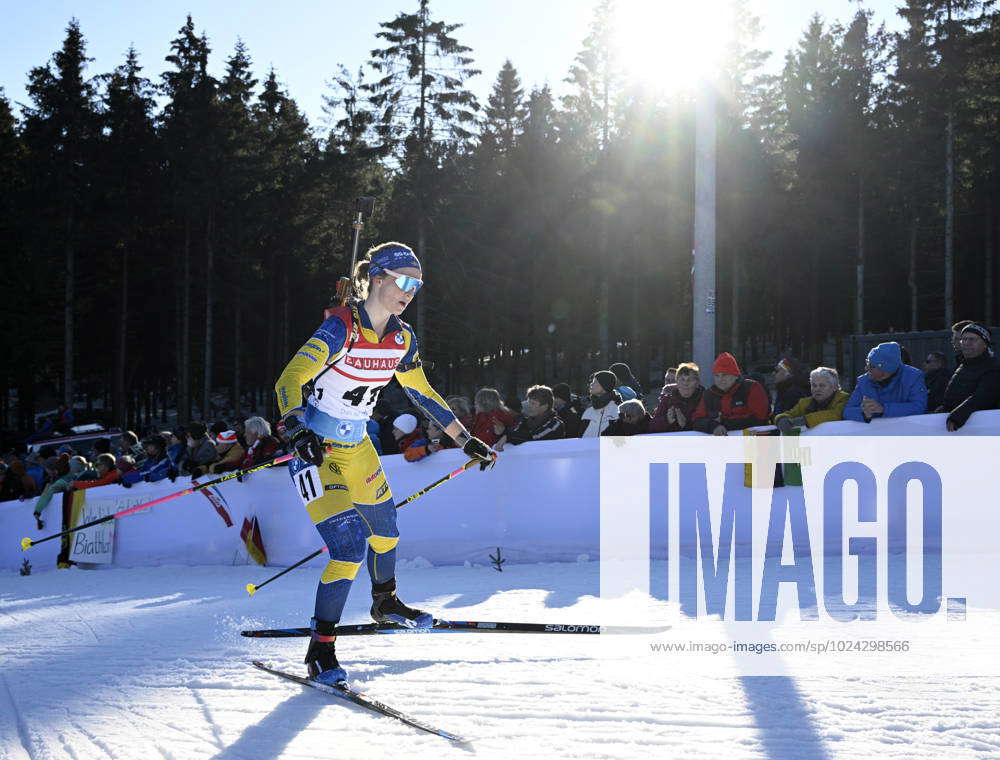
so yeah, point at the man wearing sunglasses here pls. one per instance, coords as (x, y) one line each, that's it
(337, 473)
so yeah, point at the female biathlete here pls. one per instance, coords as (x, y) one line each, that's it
(337, 472)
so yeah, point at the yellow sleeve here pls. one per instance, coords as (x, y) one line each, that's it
(304, 366)
(796, 411)
(419, 391)
(831, 414)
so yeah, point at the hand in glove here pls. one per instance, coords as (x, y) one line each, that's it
(786, 424)
(307, 444)
(479, 450)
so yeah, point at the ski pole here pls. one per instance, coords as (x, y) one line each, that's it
(27, 543)
(252, 589)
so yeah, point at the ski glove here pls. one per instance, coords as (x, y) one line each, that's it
(479, 450)
(307, 444)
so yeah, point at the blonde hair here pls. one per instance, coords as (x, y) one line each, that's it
(488, 400)
(459, 405)
(360, 278)
(688, 368)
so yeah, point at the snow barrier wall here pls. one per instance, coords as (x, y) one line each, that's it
(540, 503)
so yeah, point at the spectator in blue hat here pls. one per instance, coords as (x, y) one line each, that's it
(888, 388)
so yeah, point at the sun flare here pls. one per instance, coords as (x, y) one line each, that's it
(671, 45)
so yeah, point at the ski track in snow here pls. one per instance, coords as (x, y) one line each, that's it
(149, 663)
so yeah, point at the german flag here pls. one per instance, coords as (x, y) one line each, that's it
(250, 533)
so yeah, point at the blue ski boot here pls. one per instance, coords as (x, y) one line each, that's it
(386, 608)
(321, 658)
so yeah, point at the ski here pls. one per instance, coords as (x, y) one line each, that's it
(345, 692)
(458, 626)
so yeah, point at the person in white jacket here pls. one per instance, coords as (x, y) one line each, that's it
(604, 401)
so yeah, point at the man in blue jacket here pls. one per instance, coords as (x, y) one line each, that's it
(888, 388)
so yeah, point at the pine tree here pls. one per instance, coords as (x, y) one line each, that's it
(596, 77)
(238, 175)
(423, 101)
(60, 131)
(281, 199)
(505, 111)
(188, 131)
(18, 297)
(130, 183)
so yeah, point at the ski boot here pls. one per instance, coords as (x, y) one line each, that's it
(39, 521)
(386, 608)
(321, 657)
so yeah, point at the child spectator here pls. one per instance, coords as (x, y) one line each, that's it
(413, 442)
(604, 401)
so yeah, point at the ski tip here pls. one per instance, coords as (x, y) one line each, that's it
(26, 544)
(251, 589)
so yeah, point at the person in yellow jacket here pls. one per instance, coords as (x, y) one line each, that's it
(357, 350)
(825, 404)
(231, 453)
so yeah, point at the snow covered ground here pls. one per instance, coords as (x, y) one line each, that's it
(148, 662)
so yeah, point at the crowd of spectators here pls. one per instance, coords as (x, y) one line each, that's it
(736, 400)
(194, 450)
(612, 406)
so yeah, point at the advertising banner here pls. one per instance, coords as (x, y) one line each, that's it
(884, 559)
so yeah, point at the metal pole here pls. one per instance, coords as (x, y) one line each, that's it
(703, 270)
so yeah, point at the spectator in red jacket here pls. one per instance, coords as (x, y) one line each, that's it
(107, 473)
(261, 445)
(492, 419)
(733, 402)
(678, 402)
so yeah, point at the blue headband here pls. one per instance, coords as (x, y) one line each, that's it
(394, 258)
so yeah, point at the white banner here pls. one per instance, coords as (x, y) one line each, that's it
(96, 544)
(884, 560)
